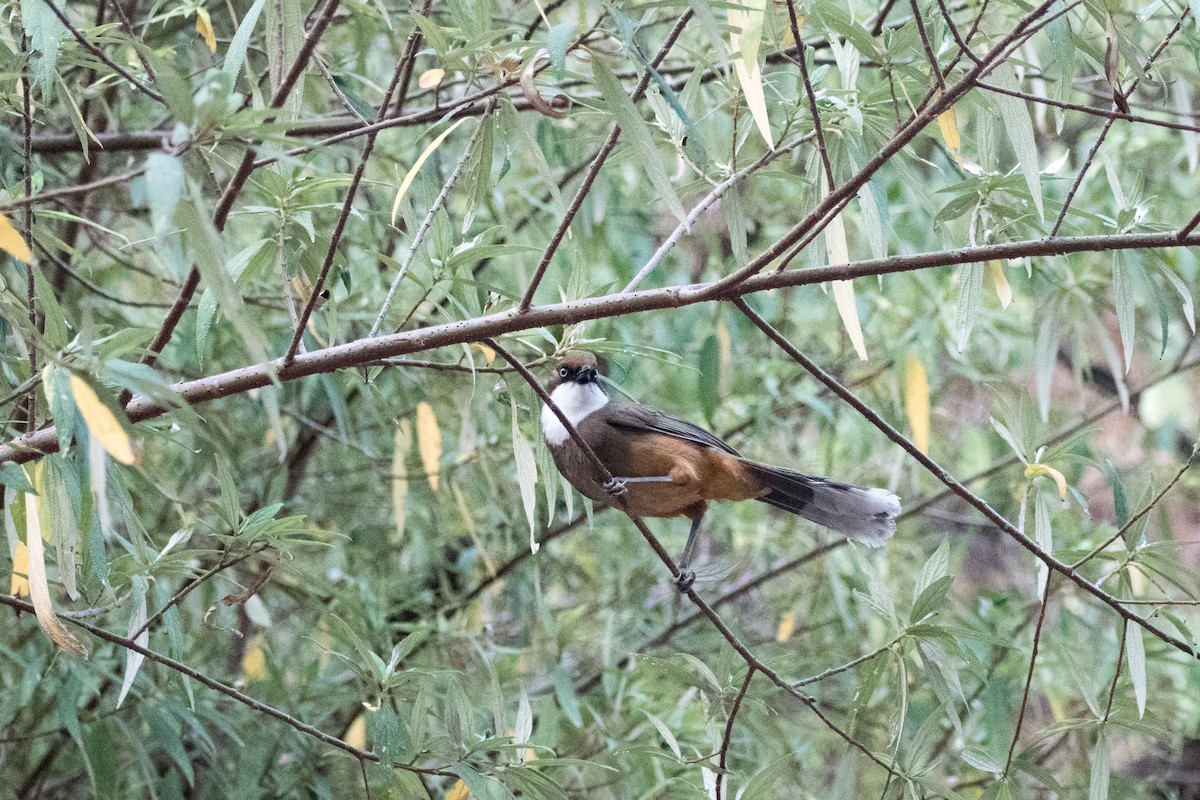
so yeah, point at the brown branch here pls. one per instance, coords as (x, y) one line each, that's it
(245, 168)
(1110, 114)
(928, 47)
(30, 290)
(810, 94)
(228, 691)
(958, 488)
(1037, 638)
(357, 353)
(399, 76)
(98, 53)
(727, 738)
(593, 170)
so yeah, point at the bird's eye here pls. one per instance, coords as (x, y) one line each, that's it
(563, 372)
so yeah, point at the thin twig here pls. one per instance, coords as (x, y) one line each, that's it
(809, 93)
(727, 738)
(1037, 638)
(1087, 163)
(958, 488)
(30, 284)
(98, 53)
(589, 177)
(228, 691)
(419, 236)
(928, 47)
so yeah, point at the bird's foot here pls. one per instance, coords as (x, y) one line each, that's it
(685, 579)
(615, 487)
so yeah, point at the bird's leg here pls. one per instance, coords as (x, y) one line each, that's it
(687, 576)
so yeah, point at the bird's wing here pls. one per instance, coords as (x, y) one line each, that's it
(646, 420)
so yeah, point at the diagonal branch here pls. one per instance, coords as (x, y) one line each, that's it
(958, 488)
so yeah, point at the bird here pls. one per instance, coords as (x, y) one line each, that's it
(661, 466)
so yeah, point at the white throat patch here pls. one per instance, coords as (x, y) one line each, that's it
(576, 401)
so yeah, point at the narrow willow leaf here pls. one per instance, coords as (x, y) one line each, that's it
(101, 422)
(401, 445)
(39, 588)
(1019, 127)
(1185, 297)
(872, 222)
(1123, 299)
(1098, 787)
(1044, 536)
(356, 734)
(13, 243)
(19, 585)
(1046, 360)
(235, 56)
(524, 725)
(254, 662)
(526, 474)
(916, 400)
(666, 734)
(1003, 290)
(431, 77)
(745, 37)
(948, 125)
(133, 660)
(411, 175)
(1042, 470)
(204, 28)
(284, 36)
(46, 33)
(786, 627)
(98, 484)
(429, 443)
(634, 128)
(165, 182)
(59, 505)
(56, 384)
(843, 295)
(1135, 654)
(970, 298)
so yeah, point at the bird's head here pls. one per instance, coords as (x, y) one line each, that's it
(577, 366)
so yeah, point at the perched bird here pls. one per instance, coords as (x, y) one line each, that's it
(665, 467)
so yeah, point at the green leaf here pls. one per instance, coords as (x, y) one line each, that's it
(1019, 127)
(56, 383)
(164, 188)
(634, 128)
(568, 701)
(45, 32)
(14, 477)
(666, 734)
(235, 56)
(1098, 787)
(970, 299)
(1135, 654)
(558, 39)
(526, 473)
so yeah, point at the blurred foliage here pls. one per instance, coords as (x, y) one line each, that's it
(352, 548)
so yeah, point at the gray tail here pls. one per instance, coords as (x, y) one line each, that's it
(865, 515)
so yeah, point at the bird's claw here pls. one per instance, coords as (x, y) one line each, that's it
(615, 487)
(685, 579)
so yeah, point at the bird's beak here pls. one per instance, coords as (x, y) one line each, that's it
(586, 376)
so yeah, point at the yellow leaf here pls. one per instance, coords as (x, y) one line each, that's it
(254, 662)
(429, 442)
(19, 587)
(787, 626)
(411, 175)
(745, 36)
(948, 124)
(402, 444)
(1039, 470)
(459, 791)
(1003, 290)
(788, 39)
(431, 77)
(204, 27)
(916, 401)
(843, 291)
(39, 587)
(12, 243)
(101, 422)
(489, 355)
(356, 734)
